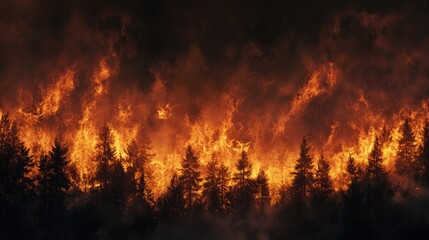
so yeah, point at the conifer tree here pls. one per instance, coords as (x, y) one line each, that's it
(211, 188)
(190, 177)
(351, 168)
(53, 184)
(375, 170)
(105, 156)
(378, 188)
(303, 174)
(16, 185)
(322, 180)
(224, 177)
(263, 196)
(244, 188)
(59, 163)
(138, 158)
(406, 155)
(15, 163)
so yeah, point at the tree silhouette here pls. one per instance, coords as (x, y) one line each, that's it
(263, 197)
(224, 177)
(244, 188)
(375, 170)
(15, 163)
(406, 155)
(16, 186)
(190, 177)
(105, 156)
(351, 168)
(138, 158)
(377, 181)
(322, 180)
(354, 200)
(53, 184)
(211, 188)
(59, 163)
(303, 174)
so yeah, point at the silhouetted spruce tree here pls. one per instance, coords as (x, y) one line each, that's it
(211, 189)
(139, 157)
(378, 187)
(375, 170)
(406, 155)
(424, 155)
(263, 197)
(354, 192)
(105, 156)
(303, 175)
(15, 163)
(53, 184)
(16, 187)
(322, 181)
(190, 177)
(224, 177)
(244, 188)
(60, 179)
(351, 168)
(172, 203)
(354, 200)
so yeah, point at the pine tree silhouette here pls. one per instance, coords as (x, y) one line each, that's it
(53, 184)
(303, 174)
(211, 190)
(244, 188)
(190, 177)
(322, 181)
(351, 168)
(59, 163)
(138, 158)
(406, 155)
(354, 199)
(263, 197)
(224, 177)
(378, 187)
(16, 185)
(15, 164)
(105, 156)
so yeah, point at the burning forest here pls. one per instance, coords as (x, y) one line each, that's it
(214, 119)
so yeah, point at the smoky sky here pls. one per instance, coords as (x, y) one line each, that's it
(263, 52)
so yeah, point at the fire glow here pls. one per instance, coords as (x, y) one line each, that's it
(221, 110)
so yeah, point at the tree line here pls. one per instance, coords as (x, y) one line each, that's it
(41, 200)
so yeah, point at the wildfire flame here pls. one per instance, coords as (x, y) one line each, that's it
(245, 114)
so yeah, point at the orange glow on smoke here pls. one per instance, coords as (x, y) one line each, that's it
(214, 133)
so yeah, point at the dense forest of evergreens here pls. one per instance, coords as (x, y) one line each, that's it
(221, 204)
